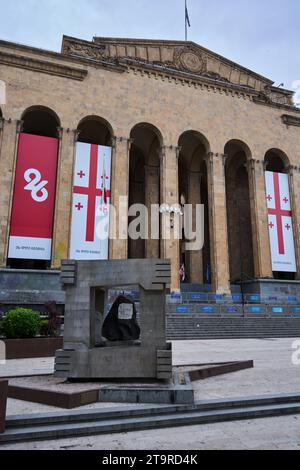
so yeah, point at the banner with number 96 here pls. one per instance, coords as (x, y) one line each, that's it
(31, 228)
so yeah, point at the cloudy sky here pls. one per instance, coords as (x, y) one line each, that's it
(263, 35)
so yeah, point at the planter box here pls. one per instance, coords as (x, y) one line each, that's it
(3, 400)
(30, 348)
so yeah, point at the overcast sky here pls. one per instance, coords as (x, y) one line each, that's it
(263, 35)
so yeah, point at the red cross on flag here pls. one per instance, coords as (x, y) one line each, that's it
(91, 200)
(280, 222)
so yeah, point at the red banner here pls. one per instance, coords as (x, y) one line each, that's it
(34, 198)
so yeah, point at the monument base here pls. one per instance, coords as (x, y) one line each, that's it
(52, 391)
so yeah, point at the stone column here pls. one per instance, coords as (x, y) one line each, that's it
(151, 197)
(294, 177)
(118, 246)
(1, 130)
(63, 202)
(195, 257)
(8, 154)
(218, 222)
(259, 217)
(170, 196)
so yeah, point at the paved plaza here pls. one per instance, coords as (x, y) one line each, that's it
(274, 373)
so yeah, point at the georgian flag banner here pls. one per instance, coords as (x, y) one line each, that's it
(280, 222)
(31, 228)
(91, 200)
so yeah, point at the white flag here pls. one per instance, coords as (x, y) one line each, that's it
(91, 200)
(280, 222)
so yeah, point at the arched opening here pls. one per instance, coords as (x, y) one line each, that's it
(193, 190)
(95, 130)
(240, 244)
(38, 121)
(278, 162)
(144, 184)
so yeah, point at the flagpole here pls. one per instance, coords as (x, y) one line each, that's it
(185, 20)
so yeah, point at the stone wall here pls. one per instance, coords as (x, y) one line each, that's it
(125, 96)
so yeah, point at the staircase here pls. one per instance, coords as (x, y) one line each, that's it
(189, 327)
(93, 422)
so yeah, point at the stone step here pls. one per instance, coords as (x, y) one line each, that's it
(97, 422)
(193, 327)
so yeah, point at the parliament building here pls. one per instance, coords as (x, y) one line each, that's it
(180, 124)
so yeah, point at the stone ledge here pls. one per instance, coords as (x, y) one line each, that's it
(42, 66)
(290, 120)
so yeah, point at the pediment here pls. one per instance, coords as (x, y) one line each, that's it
(175, 56)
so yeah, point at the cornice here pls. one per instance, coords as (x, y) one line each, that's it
(42, 66)
(56, 55)
(290, 120)
(189, 79)
(265, 102)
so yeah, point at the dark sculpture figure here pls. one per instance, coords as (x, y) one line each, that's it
(121, 321)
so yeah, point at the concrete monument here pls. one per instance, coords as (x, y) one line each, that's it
(87, 354)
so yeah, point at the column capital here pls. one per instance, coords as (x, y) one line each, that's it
(76, 133)
(253, 163)
(60, 131)
(291, 169)
(174, 148)
(211, 156)
(119, 140)
(20, 124)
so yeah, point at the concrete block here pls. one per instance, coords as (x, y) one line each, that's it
(86, 284)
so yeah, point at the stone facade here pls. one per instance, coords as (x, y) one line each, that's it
(175, 88)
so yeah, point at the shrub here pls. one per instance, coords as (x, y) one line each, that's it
(1, 323)
(44, 330)
(21, 323)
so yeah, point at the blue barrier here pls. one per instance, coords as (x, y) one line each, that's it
(277, 310)
(199, 297)
(231, 310)
(237, 298)
(255, 310)
(176, 296)
(253, 298)
(208, 309)
(182, 310)
(217, 297)
(296, 310)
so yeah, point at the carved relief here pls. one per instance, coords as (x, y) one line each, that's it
(84, 50)
(276, 97)
(190, 60)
